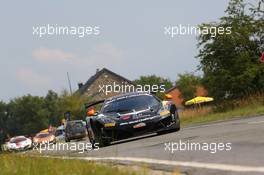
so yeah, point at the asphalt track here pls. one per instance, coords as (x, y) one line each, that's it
(245, 137)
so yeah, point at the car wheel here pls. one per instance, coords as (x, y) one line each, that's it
(90, 136)
(99, 139)
(103, 143)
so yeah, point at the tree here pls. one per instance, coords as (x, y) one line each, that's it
(52, 106)
(73, 103)
(154, 80)
(187, 84)
(230, 62)
(26, 115)
(3, 118)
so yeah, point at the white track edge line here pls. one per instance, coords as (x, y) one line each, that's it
(215, 166)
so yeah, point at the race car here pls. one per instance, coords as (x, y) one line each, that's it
(129, 115)
(19, 143)
(44, 138)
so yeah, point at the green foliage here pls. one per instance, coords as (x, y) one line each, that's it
(154, 80)
(187, 84)
(230, 62)
(28, 114)
(29, 165)
(246, 107)
(73, 103)
(3, 117)
(52, 106)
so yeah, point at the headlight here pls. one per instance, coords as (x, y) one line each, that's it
(109, 124)
(52, 138)
(164, 113)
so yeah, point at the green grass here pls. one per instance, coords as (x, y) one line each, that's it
(26, 165)
(204, 117)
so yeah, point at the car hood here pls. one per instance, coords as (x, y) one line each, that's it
(128, 116)
(19, 144)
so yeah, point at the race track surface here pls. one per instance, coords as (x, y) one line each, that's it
(246, 138)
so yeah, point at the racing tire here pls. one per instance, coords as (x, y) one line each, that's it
(98, 138)
(102, 142)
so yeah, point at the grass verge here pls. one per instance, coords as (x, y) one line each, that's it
(26, 165)
(204, 115)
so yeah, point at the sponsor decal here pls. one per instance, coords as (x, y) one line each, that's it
(125, 117)
(109, 124)
(140, 115)
(139, 125)
(138, 121)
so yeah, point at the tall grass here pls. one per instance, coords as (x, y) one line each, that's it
(247, 106)
(25, 165)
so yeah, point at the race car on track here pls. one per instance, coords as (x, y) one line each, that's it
(130, 115)
(44, 138)
(19, 143)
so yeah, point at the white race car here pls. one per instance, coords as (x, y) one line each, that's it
(19, 143)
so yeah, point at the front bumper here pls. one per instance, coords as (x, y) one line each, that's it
(157, 124)
(72, 137)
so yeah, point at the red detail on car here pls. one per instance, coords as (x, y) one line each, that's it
(125, 117)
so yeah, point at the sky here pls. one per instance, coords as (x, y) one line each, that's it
(131, 41)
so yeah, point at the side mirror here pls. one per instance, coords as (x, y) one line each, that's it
(90, 112)
(168, 96)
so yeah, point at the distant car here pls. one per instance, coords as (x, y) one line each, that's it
(44, 138)
(60, 133)
(19, 143)
(74, 129)
(130, 115)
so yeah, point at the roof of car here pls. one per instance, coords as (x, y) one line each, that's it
(60, 127)
(17, 137)
(43, 133)
(127, 95)
(115, 98)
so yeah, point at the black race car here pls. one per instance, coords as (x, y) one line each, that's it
(130, 115)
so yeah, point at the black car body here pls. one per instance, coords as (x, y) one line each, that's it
(74, 130)
(130, 115)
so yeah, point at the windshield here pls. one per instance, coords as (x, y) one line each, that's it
(59, 132)
(17, 140)
(74, 125)
(131, 103)
(42, 135)
(78, 125)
